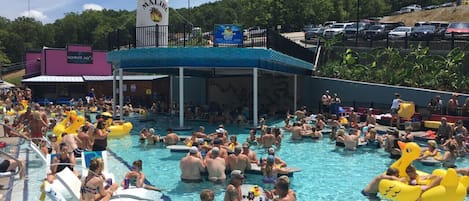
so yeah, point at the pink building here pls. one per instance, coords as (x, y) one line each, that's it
(74, 60)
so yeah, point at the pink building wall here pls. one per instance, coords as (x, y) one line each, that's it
(53, 61)
(33, 63)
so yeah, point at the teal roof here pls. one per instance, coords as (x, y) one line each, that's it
(195, 59)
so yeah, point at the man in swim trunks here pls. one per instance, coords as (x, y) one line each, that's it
(191, 166)
(296, 130)
(351, 140)
(238, 161)
(216, 166)
(249, 153)
(268, 139)
(371, 190)
(223, 152)
(444, 132)
(171, 138)
(71, 140)
(233, 190)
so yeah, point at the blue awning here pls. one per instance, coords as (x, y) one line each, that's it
(201, 60)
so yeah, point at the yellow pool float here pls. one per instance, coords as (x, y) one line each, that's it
(118, 129)
(451, 187)
(77, 122)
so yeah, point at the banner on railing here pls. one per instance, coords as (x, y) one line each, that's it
(152, 13)
(228, 34)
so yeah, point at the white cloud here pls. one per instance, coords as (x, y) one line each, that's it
(92, 6)
(38, 15)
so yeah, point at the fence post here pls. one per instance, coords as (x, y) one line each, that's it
(118, 41)
(267, 33)
(157, 33)
(354, 105)
(406, 42)
(184, 34)
(387, 40)
(452, 40)
(134, 37)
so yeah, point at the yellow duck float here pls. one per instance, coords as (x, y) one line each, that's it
(452, 187)
(74, 123)
(116, 129)
(13, 112)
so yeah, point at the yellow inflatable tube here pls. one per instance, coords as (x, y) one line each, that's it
(451, 187)
(120, 130)
(116, 129)
(71, 129)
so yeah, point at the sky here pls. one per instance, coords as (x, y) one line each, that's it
(47, 11)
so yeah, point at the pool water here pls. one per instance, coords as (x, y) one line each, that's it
(328, 173)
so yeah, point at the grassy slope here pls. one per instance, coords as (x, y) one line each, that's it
(14, 77)
(450, 14)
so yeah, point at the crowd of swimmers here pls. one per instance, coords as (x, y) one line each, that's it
(218, 152)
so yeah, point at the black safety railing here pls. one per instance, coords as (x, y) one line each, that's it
(180, 35)
(185, 35)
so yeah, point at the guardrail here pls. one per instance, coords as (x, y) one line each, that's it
(406, 42)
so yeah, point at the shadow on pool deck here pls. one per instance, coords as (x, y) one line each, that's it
(5, 181)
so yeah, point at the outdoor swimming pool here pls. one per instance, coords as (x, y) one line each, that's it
(328, 173)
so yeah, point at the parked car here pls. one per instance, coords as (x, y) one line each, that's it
(377, 32)
(327, 24)
(308, 27)
(412, 8)
(449, 4)
(459, 29)
(351, 30)
(430, 7)
(399, 33)
(335, 30)
(424, 32)
(314, 33)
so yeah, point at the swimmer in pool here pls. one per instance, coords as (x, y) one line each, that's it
(216, 166)
(371, 190)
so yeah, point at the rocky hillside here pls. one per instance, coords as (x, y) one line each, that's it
(450, 14)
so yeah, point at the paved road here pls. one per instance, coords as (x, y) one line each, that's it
(298, 37)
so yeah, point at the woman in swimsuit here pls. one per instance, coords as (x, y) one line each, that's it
(450, 156)
(100, 137)
(136, 177)
(270, 170)
(92, 188)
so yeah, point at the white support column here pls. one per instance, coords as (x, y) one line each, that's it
(114, 91)
(254, 96)
(121, 93)
(181, 97)
(295, 92)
